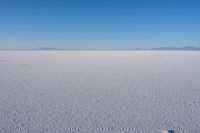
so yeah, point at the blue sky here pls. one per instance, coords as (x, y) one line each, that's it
(99, 24)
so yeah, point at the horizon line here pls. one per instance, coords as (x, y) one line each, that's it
(185, 48)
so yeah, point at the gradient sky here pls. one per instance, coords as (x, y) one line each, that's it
(99, 24)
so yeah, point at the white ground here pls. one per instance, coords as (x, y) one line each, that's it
(99, 91)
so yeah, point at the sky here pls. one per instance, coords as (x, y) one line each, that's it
(99, 24)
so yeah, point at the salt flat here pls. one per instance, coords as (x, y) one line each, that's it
(99, 91)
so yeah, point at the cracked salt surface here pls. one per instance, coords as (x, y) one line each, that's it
(99, 91)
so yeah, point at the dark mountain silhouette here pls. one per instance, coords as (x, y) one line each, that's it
(46, 48)
(187, 48)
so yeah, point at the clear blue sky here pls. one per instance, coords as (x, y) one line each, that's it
(99, 24)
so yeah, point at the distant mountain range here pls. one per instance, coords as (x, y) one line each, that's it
(187, 48)
(46, 48)
(180, 48)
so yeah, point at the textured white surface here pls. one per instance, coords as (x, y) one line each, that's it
(99, 91)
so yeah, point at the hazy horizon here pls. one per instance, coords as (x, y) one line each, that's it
(185, 48)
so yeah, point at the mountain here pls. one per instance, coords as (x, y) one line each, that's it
(178, 48)
(46, 48)
(187, 48)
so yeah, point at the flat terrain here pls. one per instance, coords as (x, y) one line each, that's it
(99, 91)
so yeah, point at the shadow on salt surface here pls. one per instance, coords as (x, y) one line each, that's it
(2, 60)
(24, 64)
(167, 131)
